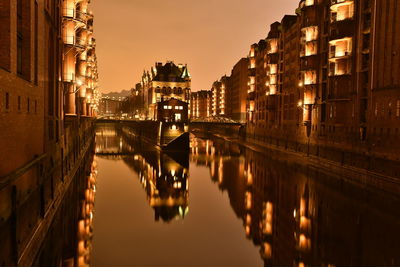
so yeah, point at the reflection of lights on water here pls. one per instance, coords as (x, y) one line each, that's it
(177, 185)
(248, 219)
(183, 212)
(247, 230)
(267, 250)
(248, 200)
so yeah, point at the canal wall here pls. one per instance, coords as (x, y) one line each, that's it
(231, 130)
(37, 201)
(324, 153)
(334, 154)
(162, 134)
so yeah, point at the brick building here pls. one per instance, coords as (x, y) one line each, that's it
(164, 82)
(219, 96)
(110, 106)
(79, 62)
(325, 80)
(45, 136)
(237, 95)
(200, 104)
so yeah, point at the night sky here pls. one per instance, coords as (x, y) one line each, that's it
(208, 35)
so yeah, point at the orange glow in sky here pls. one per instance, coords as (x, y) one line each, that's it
(209, 35)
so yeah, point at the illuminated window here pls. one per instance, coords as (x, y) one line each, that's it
(252, 80)
(165, 107)
(272, 79)
(310, 33)
(340, 48)
(252, 63)
(311, 48)
(272, 89)
(343, 11)
(273, 46)
(310, 77)
(273, 68)
(309, 2)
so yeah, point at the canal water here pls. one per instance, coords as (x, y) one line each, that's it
(226, 205)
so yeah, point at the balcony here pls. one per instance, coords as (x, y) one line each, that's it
(251, 95)
(340, 48)
(341, 29)
(252, 72)
(309, 34)
(341, 66)
(309, 63)
(72, 14)
(71, 40)
(273, 58)
(309, 16)
(309, 77)
(341, 2)
(69, 77)
(306, 3)
(309, 49)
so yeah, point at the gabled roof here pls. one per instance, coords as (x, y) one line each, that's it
(170, 72)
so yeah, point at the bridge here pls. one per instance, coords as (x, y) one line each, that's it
(224, 127)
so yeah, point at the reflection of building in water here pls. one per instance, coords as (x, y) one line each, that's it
(163, 175)
(111, 140)
(302, 217)
(85, 225)
(165, 181)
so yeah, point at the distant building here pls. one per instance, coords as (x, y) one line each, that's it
(237, 92)
(200, 103)
(164, 82)
(218, 90)
(110, 106)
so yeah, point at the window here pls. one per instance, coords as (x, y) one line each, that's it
(169, 107)
(28, 103)
(19, 54)
(35, 106)
(19, 102)
(398, 109)
(7, 101)
(165, 107)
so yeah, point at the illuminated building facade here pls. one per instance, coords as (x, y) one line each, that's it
(80, 74)
(110, 106)
(324, 81)
(237, 93)
(219, 96)
(164, 82)
(200, 104)
(47, 119)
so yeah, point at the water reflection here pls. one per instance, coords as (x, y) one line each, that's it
(300, 216)
(295, 215)
(164, 176)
